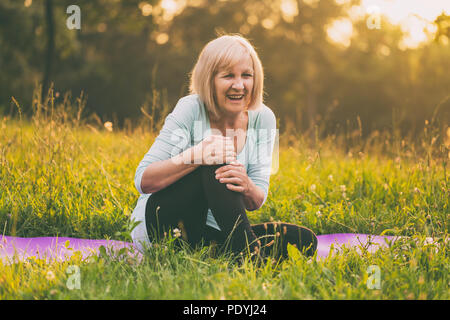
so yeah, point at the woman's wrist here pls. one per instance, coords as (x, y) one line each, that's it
(253, 197)
(189, 157)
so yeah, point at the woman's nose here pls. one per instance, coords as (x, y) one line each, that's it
(238, 84)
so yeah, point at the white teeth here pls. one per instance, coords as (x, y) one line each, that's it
(236, 96)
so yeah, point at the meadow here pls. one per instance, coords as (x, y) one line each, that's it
(63, 174)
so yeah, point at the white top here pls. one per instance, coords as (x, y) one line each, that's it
(187, 125)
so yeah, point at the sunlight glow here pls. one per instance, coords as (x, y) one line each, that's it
(398, 10)
(146, 8)
(268, 23)
(162, 38)
(311, 3)
(289, 10)
(166, 10)
(417, 30)
(252, 19)
(340, 32)
(170, 6)
(414, 16)
(341, 2)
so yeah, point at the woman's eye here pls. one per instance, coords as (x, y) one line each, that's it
(247, 75)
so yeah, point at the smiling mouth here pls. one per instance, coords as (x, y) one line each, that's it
(235, 97)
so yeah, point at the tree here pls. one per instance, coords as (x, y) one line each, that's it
(49, 57)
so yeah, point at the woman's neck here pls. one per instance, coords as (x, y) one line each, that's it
(236, 121)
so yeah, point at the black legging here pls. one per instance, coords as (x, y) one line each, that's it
(184, 205)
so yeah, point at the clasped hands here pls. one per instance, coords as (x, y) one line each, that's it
(217, 149)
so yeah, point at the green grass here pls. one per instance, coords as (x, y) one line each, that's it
(60, 176)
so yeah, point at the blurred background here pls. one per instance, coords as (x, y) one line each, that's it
(331, 66)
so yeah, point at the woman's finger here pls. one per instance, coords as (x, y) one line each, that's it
(231, 166)
(235, 181)
(235, 188)
(239, 166)
(232, 173)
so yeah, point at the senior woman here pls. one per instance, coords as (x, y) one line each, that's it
(211, 161)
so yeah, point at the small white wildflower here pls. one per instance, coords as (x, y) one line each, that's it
(109, 126)
(313, 187)
(176, 233)
(50, 276)
(343, 187)
(330, 177)
(318, 214)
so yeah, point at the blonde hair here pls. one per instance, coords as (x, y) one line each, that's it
(224, 52)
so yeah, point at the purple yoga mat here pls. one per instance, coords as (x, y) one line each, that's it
(369, 242)
(55, 248)
(15, 248)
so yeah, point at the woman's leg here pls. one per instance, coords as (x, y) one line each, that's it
(180, 205)
(228, 209)
(184, 205)
(275, 236)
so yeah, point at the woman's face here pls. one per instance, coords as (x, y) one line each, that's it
(233, 86)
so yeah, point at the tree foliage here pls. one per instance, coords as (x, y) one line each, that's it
(128, 51)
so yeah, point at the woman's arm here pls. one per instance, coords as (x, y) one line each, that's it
(254, 198)
(161, 174)
(212, 150)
